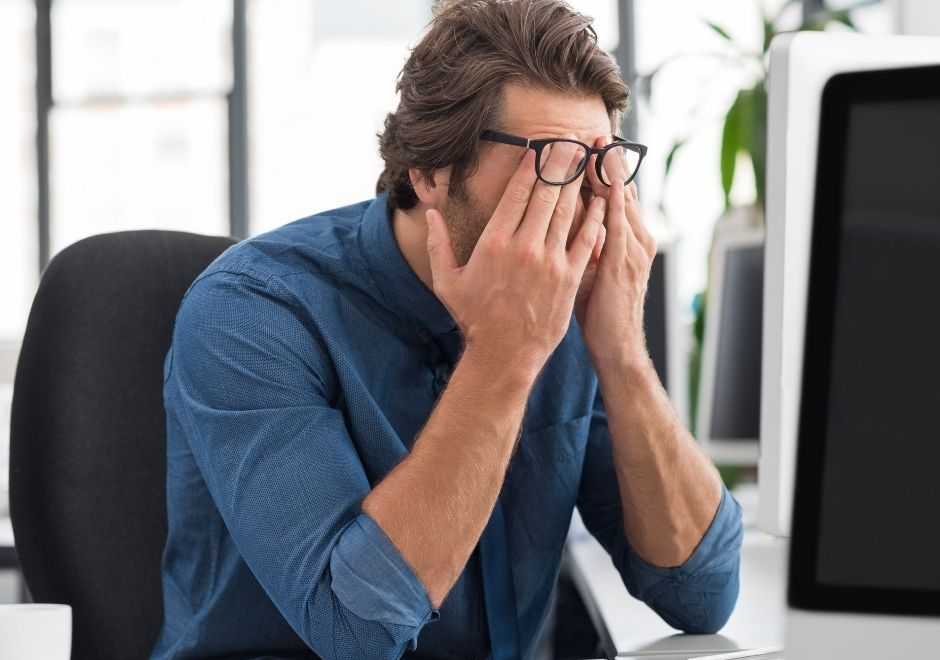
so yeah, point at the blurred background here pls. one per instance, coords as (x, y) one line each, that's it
(225, 117)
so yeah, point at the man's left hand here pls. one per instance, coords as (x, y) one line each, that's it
(610, 300)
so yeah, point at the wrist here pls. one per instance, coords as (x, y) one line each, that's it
(518, 373)
(634, 368)
(625, 350)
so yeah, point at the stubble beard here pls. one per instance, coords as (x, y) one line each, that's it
(466, 220)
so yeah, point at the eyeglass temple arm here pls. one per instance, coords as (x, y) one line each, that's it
(496, 136)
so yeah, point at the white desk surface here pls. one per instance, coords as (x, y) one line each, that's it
(632, 629)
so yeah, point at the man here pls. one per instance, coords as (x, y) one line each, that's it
(381, 418)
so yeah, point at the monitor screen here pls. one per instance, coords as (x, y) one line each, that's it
(656, 319)
(729, 404)
(866, 527)
(735, 414)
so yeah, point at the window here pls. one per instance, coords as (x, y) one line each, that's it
(138, 126)
(19, 269)
(320, 85)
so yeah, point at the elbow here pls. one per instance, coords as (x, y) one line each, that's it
(336, 632)
(721, 607)
(366, 601)
(702, 608)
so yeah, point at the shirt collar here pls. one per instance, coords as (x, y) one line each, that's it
(404, 292)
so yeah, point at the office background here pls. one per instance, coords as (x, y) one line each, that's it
(236, 116)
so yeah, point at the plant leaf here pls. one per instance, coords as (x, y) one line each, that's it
(818, 21)
(731, 144)
(846, 19)
(769, 33)
(678, 144)
(840, 16)
(758, 139)
(723, 33)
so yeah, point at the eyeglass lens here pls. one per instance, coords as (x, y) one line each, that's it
(559, 161)
(619, 162)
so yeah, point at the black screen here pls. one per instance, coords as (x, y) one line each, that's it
(735, 413)
(655, 318)
(879, 514)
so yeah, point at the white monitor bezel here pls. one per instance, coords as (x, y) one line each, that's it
(737, 451)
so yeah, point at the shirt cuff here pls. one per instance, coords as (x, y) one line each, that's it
(373, 580)
(717, 552)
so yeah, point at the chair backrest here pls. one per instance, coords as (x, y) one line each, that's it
(88, 433)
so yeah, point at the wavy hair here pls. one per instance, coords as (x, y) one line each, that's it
(451, 86)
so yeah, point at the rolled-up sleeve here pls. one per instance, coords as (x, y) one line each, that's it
(373, 581)
(249, 379)
(696, 597)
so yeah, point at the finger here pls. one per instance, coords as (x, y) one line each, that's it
(444, 266)
(584, 245)
(599, 247)
(586, 193)
(579, 211)
(614, 165)
(565, 211)
(512, 205)
(619, 231)
(559, 163)
(635, 218)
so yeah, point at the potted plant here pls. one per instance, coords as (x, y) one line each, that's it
(744, 128)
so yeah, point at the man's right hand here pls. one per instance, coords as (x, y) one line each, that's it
(514, 298)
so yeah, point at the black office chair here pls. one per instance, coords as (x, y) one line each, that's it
(88, 433)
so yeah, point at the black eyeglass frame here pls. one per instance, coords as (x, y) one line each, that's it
(539, 144)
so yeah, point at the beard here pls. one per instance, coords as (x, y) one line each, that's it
(466, 219)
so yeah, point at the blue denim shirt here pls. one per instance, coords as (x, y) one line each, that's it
(304, 363)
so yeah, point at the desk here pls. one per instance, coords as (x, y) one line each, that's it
(628, 628)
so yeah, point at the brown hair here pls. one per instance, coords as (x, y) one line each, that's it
(451, 87)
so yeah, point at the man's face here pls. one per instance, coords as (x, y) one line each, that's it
(530, 113)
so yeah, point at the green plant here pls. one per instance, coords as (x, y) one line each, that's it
(745, 121)
(743, 133)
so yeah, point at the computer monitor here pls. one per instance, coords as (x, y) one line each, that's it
(865, 541)
(664, 326)
(728, 416)
(800, 66)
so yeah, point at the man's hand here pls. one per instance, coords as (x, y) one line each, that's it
(514, 298)
(669, 490)
(611, 297)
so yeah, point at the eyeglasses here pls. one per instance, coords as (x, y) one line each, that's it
(619, 159)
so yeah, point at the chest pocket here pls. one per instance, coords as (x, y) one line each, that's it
(543, 480)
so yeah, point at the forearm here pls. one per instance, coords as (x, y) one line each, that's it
(435, 504)
(669, 489)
